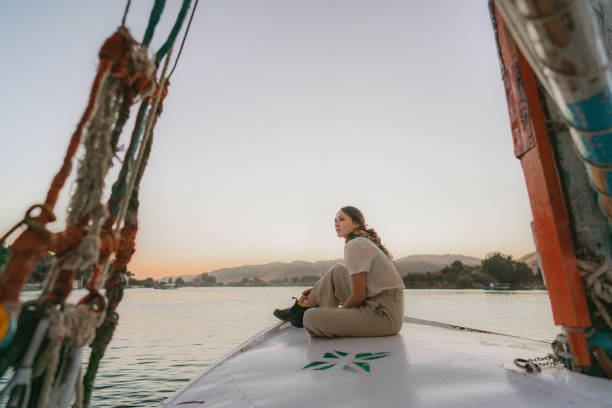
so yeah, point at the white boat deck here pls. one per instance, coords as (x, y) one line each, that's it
(426, 365)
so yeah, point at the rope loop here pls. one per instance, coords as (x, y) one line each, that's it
(33, 222)
(95, 301)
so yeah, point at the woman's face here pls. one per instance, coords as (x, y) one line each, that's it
(344, 225)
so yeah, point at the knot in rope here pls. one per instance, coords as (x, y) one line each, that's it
(109, 243)
(115, 284)
(127, 246)
(82, 321)
(48, 359)
(73, 327)
(85, 255)
(159, 92)
(130, 63)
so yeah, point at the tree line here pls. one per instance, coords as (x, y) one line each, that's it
(495, 268)
(42, 267)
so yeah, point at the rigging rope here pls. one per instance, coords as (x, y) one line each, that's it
(178, 56)
(116, 280)
(89, 240)
(174, 32)
(122, 74)
(125, 13)
(156, 13)
(127, 192)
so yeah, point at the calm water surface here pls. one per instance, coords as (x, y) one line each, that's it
(166, 337)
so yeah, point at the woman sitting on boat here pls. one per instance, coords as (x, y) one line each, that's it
(368, 287)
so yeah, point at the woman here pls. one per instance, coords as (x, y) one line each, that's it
(368, 287)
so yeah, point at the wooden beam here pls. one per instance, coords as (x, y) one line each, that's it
(551, 223)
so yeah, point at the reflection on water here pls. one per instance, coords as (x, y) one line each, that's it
(166, 337)
(520, 313)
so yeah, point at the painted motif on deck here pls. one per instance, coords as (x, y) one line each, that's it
(359, 362)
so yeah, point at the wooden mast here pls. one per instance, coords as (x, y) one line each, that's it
(551, 223)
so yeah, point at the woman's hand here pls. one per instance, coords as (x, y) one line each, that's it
(308, 298)
(358, 295)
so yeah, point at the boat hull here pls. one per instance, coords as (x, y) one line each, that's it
(426, 365)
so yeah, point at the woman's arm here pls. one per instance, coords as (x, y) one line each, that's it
(358, 283)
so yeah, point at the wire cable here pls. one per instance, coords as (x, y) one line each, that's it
(127, 8)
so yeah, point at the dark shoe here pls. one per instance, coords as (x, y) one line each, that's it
(293, 314)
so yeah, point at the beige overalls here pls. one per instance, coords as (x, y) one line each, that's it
(379, 315)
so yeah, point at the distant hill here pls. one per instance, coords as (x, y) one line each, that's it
(431, 263)
(275, 270)
(531, 260)
(281, 270)
(298, 269)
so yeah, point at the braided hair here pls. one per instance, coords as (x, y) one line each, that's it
(363, 231)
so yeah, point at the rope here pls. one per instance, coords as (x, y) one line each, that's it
(93, 167)
(156, 13)
(124, 205)
(96, 162)
(29, 248)
(115, 285)
(130, 77)
(147, 135)
(125, 62)
(123, 73)
(64, 172)
(74, 328)
(174, 32)
(124, 115)
(31, 221)
(598, 289)
(119, 187)
(104, 334)
(178, 56)
(125, 13)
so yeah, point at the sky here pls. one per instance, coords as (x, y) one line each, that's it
(279, 113)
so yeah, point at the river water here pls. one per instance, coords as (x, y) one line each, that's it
(166, 337)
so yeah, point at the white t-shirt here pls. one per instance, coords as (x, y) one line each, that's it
(362, 255)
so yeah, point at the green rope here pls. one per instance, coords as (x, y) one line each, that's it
(156, 12)
(175, 30)
(147, 151)
(119, 187)
(195, 6)
(104, 334)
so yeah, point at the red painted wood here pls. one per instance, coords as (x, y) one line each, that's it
(551, 222)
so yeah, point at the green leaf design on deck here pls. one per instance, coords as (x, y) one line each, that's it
(371, 356)
(337, 355)
(358, 363)
(315, 363)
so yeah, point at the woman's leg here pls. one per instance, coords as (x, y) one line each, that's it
(381, 315)
(333, 288)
